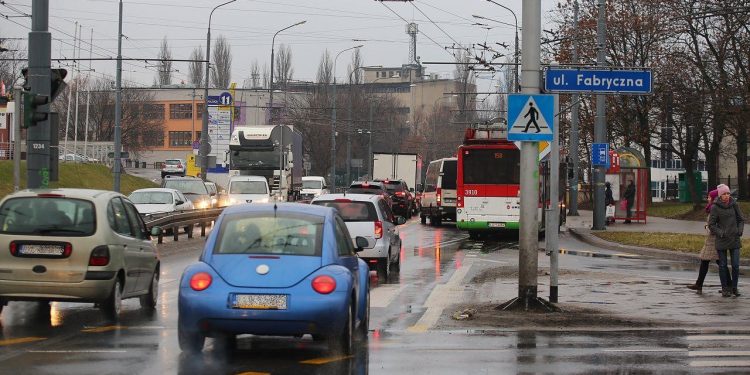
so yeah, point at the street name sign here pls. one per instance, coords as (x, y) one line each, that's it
(600, 155)
(588, 80)
(530, 117)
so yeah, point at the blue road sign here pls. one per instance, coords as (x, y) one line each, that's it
(225, 98)
(214, 100)
(600, 155)
(530, 117)
(621, 81)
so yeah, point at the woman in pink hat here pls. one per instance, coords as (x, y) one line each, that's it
(708, 252)
(726, 222)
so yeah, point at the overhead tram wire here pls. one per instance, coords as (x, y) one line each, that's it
(436, 25)
(421, 32)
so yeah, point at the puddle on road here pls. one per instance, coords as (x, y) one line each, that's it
(592, 254)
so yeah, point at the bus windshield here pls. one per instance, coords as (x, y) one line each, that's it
(491, 166)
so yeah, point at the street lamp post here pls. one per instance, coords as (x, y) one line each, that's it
(333, 121)
(270, 111)
(515, 68)
(204, 129)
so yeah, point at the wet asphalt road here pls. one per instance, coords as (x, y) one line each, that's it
(66, 338)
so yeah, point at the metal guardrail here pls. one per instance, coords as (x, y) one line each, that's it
(182, 219)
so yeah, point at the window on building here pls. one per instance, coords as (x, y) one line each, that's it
(199, 110)
(153, 112)
(180, 111)
(177, 139)
(153, 138)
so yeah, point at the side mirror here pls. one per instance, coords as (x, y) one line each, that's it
(362, 243)
(212, 194)
(179, 202)
(411, 190)
(156, 231)
(400, 220)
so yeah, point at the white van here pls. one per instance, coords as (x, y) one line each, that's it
(439, 191)
(313, 186)
(248, 189)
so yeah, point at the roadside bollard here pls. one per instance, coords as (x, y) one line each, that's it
(175, 233)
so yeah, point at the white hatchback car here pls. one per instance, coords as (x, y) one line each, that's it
(370, 216)
(76, 245)
(152, 202)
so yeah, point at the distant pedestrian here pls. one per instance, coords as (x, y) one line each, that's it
(726, 222)
(629, 196)
(708, 252)
(609, 199)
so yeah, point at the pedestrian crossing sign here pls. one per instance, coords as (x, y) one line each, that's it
(530, 117)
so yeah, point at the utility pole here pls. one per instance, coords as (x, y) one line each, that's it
(600, 126)
(17, 98)
(573, 154)
(551, 229)
(118, 106)
(38, 76)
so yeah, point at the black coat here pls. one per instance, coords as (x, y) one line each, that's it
(727, 223)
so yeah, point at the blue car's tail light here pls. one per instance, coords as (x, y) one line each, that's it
(200, 281)
(324, 284)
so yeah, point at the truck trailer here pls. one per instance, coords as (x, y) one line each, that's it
(394, 166)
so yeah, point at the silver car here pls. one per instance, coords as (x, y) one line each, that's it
(370, 216)
(76, 245)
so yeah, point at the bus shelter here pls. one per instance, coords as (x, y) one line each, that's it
(628, 164)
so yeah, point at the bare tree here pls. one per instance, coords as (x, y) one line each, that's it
(265, 74)
(325, 69)
(222, 63)
(11, 61)
(195, 68)
(465, 84)
(283, 70)
(142, 123)
(255, 78)
(356, 64)
(164, 75)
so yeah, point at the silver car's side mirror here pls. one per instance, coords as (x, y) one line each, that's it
(400, 220)
(362, 243)
(156, 231)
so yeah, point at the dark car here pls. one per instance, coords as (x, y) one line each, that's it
(370, 187)
(193, 188)
(402, 198)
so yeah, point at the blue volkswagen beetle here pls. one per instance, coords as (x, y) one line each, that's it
(283, 269)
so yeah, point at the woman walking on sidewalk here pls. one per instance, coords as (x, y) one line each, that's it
(726, 222)
(708, 252)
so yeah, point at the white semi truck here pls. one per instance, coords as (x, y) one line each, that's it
(257, 151)
(393, 166)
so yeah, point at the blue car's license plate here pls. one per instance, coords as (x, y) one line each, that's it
(259, 301)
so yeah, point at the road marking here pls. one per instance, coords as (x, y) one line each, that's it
(665, 350)
(717, 337)
(383, 295)
(21, 340)
(76, 351)
(254, 373)
(103, 329)
(442, 296)
(324, 360)
(710, 353)
(720, 363)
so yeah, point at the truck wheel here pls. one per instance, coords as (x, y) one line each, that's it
(423, 219)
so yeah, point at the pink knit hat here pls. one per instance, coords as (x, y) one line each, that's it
(722, 189)
(713, 193)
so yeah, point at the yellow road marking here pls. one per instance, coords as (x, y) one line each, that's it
(21, 340)
(417, 328)
(324, 360)
(103, 329)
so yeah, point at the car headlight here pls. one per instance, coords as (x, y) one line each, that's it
(202, 204)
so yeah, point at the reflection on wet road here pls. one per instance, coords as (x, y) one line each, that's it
(436, 262)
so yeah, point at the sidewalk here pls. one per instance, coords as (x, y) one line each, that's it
(580, 227)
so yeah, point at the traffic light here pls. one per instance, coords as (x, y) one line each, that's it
(31, 112)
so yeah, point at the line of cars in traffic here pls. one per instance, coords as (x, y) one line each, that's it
(304, 265)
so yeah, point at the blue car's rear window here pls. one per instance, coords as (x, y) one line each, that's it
(264, 233)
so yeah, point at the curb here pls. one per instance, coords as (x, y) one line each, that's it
(586, 236)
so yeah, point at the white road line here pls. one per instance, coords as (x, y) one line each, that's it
(720, 363)
(382, 296)
(441, 297)
(717, 337)
(714, 353)
(659, 350)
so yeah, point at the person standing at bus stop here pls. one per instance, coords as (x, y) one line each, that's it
(708, 252)
(727, 223)
(629, 196)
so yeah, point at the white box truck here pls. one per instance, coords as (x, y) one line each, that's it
(407, 167)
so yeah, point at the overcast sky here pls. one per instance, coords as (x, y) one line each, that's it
(249, 25)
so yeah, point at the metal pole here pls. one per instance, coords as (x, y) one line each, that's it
(38, 137)
(528, 236)
(77, 84)
(573, 155)
(553, 214)
(88, 97)
(70, 96)
(204, 148)
(18, 99)
(333, 122)
(118, 106)
(600, 127)
(369, 146)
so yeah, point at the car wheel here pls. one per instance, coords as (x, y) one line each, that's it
(423, 219)
(342, 343)
(148, 301)
(438, 221)
(113, 304)
(190, 341)
(473, 234)
(383, 266)
(364, 324)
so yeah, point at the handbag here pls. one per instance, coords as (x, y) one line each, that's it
(624, 204)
